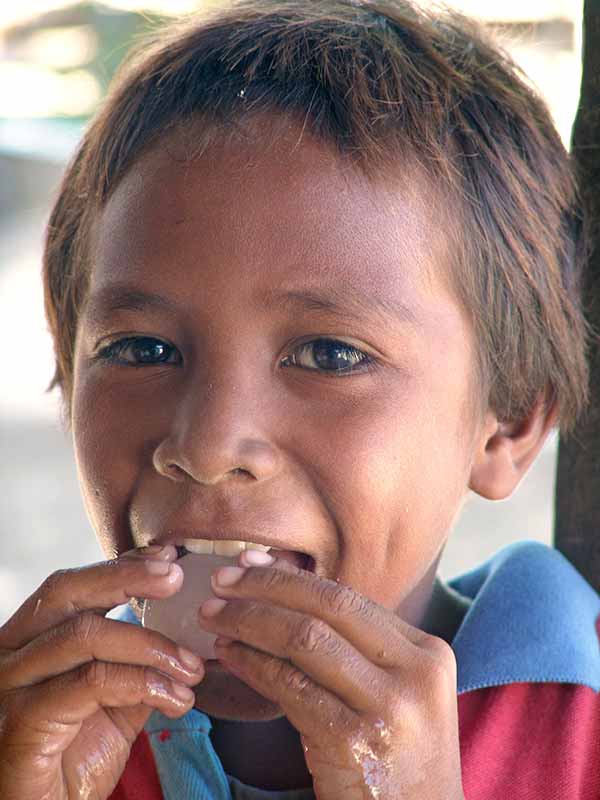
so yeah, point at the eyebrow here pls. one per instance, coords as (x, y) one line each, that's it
(123, 297)
(347, 305)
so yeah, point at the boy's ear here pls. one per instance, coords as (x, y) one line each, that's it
(506, 450)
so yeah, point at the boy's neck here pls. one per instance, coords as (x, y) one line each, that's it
(445, 611)
(266, 755)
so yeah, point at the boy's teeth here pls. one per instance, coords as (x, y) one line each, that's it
(229, 547)
(221, 547)
(201, 546)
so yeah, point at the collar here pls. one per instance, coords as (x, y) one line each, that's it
(532, 618)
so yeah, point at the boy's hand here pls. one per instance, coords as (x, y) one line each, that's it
(373, 698)
(76, 688)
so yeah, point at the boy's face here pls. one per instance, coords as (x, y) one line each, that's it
(238, 423)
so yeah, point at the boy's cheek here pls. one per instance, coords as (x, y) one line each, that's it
(109, 452)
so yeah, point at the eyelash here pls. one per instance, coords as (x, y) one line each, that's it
(112, 351)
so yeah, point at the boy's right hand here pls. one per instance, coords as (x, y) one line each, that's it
(76, 688)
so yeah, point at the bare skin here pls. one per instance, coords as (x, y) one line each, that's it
(226, 412)
(76, 688)
(372, 698)
(274, 757)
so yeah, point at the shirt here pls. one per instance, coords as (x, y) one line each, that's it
(528, 677)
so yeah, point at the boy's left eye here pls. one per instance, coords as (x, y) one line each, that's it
(329, 356)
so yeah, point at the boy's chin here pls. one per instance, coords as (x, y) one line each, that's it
(223, 696)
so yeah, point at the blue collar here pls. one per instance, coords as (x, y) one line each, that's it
(532, 620)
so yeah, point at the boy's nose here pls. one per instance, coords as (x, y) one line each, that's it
(218, 434)
(212, 462)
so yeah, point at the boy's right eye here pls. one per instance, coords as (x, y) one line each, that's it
(146, 350)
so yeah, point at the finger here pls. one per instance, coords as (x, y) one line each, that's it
(98, 587)
(258, 558)
(89, 637)
(69, 699)
(157, 552)
(310, 708)
(307, 642)
(380, 634)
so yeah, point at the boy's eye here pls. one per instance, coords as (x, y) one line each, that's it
(330, 356)
(142, 349)
(323, 355)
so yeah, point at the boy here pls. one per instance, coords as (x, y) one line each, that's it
(312, 276)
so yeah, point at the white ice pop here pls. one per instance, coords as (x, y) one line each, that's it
(177, 616)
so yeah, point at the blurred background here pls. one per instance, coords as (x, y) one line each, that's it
(56, 60)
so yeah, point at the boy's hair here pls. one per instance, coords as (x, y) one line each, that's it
(384, 84)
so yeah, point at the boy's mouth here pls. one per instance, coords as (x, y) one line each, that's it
(233, 547)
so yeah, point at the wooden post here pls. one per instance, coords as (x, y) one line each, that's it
(577, 527)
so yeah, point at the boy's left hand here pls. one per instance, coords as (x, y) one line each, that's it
(373, 698)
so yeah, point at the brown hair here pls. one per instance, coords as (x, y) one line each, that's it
(376, 80)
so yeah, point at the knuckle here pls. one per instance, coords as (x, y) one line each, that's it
(273, 578)
(282, 673)
(440, 666)
(342, 600)
(310, 635)
(84, 627)
(149, 680)
(442, 652)
(294, 680)
(95, 675)
(53, 584)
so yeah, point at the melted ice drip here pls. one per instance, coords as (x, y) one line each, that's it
(372, 758)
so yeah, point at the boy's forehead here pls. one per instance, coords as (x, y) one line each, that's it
(290, 206)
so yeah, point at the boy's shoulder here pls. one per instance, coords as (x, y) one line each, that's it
(532, 618)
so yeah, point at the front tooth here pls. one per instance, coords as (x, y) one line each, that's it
(203, 547)
(229, 547)
(254, 546)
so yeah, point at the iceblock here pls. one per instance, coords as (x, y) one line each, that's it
(177, 616)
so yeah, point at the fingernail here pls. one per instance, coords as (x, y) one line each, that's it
(189, 660)
(227, 576)
(167, 552)
(164, 569)
(157, 567)
(212, 606)
(183, 693)
(258, 558)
